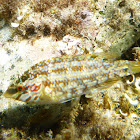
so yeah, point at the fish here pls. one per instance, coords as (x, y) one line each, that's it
(62, 79)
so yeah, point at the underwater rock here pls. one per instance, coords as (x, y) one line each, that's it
(32, 31)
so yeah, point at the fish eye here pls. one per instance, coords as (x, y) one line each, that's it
(20, 88)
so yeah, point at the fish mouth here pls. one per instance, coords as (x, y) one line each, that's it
(9, 92)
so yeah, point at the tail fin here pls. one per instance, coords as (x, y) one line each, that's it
(134, 67)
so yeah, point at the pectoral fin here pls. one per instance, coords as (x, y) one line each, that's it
(96, 89)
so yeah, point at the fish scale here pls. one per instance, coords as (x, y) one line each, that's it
(64, 78)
